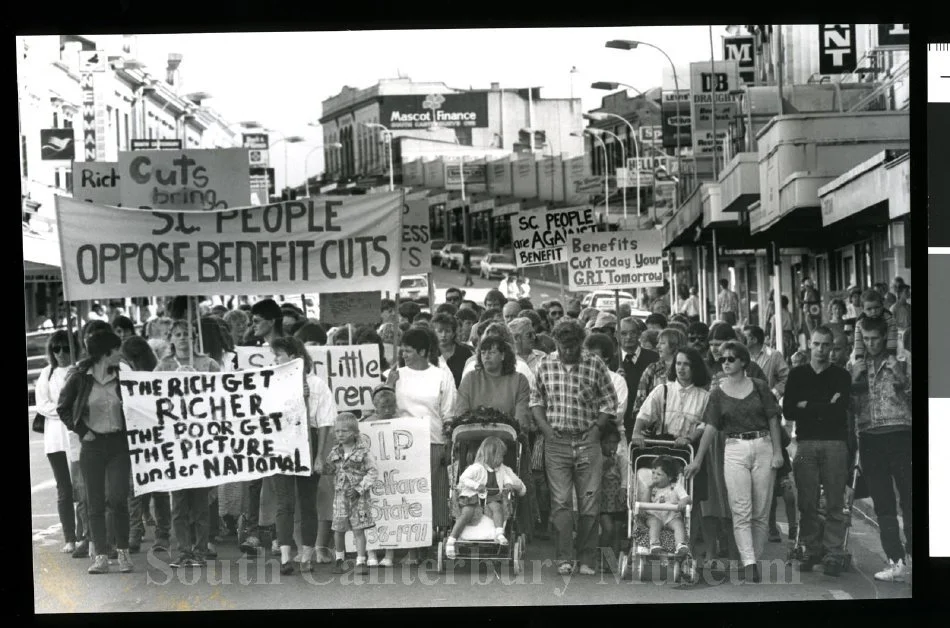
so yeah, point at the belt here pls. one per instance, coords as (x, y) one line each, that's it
(748, 435)
(571, 434)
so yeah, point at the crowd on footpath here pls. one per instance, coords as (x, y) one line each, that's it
(583, 387)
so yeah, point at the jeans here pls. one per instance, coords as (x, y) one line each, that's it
(254, 507)
(64, 494)
(138, 507)
(822, 463)
(747, 468)
(105, 468)
(542, 497)
(574, 463)
(190, 508)
(284, 487)
(885, 461)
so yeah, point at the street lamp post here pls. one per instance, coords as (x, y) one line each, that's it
(629, 44)
(392, 183)
(603, 115)
(606, 180)
(306, 167)
(623, 159)
(286, 139)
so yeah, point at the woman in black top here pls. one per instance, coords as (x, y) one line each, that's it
(748, 415)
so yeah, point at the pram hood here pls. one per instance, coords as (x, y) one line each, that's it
(472, 432)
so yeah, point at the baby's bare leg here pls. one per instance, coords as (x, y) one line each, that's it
(496, 513)
(679, 530)
(654, 525)
(464, 519)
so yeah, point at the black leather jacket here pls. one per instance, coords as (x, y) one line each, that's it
(73, 407)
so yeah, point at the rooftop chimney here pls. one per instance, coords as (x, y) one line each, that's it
(495, 87)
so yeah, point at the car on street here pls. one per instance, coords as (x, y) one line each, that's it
(451, 255)
(436, 250)
(607, 300)
(414, 288)
(496, 265)
(477, 253)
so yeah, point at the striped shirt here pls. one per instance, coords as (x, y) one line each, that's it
(574, 396)
(653, 376)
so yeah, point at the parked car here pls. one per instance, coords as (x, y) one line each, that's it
(414, 288)
(477, 253)
(451, 255)
(607, 300)
(436, 250)
(496, 265)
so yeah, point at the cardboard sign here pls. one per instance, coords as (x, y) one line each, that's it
(192, 430)
(401, 498)
(539, 237)
(96, 182)
(350, 307)
(310, 245)
(615, 260)
(185, 179)
(351, 371)
(416, 235)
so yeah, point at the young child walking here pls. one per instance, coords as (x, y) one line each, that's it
(613, 496)
(355, 473)
(665, 490)
(485, 479)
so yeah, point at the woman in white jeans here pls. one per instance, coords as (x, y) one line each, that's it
(746, 412)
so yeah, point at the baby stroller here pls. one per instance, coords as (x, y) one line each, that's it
(797, 551)
(477, 540)
(639, 478)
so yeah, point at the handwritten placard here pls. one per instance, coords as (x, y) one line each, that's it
(191, 178)
(191, 430)
(401, 498)
(615, 260)
(539, 237)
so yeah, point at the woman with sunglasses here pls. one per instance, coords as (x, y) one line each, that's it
(63, 458)
(746, 413)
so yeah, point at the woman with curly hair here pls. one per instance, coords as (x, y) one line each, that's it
(495, 383)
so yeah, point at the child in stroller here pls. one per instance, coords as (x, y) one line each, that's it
(485, 479)
(665, 490)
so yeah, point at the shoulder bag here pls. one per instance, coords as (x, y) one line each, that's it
(39, 421)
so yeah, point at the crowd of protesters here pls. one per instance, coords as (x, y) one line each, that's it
(581, 384)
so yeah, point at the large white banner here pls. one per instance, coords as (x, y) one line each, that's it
(539, 236)
(191, 178)
(310, 245)
(351, 371)
(615, 260)
(401, 499)
(191, 430)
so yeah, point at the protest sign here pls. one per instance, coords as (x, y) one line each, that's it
(309, 245)
(96, 182)
(351, 371)
(192, 430)
(539, 237)
(184, 179)
(416, 253)
(615, 260)
(350, 307)
(401, 499)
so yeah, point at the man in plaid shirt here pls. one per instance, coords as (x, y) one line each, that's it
(573, 400)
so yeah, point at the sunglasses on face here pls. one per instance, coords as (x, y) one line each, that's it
(727, 358)
(452, 299)
(696, 338)
(58, 348)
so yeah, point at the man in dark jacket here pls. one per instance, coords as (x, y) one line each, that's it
(633, 361)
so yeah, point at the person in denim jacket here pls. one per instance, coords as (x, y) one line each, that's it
(882, 389)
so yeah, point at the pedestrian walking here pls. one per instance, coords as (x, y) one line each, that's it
(728, 302)
(467, 266)
(883, 417)
(817, 397)
(91, 405)
(574, 398)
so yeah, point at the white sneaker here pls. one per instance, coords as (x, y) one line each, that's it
(275, 547)
(895, 572)
(372, 561)
(450, 550)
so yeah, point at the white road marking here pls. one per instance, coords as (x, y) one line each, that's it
(42, 486)
(53, 514)
(838, 594)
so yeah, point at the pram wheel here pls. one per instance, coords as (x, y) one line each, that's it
(624, 566)
(677, 571)
(517, 555)
(439, 557)
(639, 568)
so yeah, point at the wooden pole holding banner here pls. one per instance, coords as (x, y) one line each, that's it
(201, 338)
(191, 343)
(560, 280)
(303, 302)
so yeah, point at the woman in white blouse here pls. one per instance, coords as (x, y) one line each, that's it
(63, 456)
(428, 392)
(675, 408)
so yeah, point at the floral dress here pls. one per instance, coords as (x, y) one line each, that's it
(356, 469)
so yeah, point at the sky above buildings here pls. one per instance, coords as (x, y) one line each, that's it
(280, 79)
